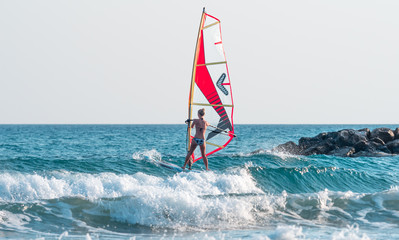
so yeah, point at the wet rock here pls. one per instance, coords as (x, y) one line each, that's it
(349, 137)
(384, 148)
(371, 154)
(306, 142)
(385, 134)
(370, 147)
(343, 152)
(365, 132)
(377, 140)
(393, 146)
(288, 147)
(361, 146)
(347, 143)
(321, 148)
(396, 132)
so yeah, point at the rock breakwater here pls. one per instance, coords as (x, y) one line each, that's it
(346, 143)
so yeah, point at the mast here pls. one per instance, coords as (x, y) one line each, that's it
(193, 79)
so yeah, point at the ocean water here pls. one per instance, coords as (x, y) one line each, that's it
(100, 182)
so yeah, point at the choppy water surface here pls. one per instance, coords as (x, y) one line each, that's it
(99, 181)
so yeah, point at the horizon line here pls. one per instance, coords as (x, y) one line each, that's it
(185, 124)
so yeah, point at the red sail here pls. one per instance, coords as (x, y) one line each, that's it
(211, 88)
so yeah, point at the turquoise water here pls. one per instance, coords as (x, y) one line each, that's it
(100, 181)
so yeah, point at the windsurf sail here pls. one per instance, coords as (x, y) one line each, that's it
(210, 88)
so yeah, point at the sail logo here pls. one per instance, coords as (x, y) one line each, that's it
(220, 84)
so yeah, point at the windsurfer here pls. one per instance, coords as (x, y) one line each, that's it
(199, 139)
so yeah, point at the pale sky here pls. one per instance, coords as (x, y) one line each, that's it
(121, 61)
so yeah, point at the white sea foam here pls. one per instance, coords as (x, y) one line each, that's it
(27, 187)
(190, 200)
(205, 200)
(13, 220)
(324, 200)
(146, 154)
(185, 199)
(351, 232)
(88, 237)
(63, 235)
(287, 233)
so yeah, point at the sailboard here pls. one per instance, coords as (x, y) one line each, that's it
(167, 165)
(211, 88)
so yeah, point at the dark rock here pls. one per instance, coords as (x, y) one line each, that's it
(343, 152)
(371, 154)
(361, 146)
(343, 138)
(385, 134)
(322, 136)
(346, 143)
(365, 132)
(370, 146)
(288, 147)
(393, 146)
(377, 140)
(315, 150)
(373, 146)
(322, 148)
(332, 135)
(384, 148)
(396, 132)
(349, 137)
(306, 142)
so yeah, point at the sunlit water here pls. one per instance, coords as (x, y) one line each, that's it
(100, 181)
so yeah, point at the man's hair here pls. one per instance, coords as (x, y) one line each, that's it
(201, 112)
